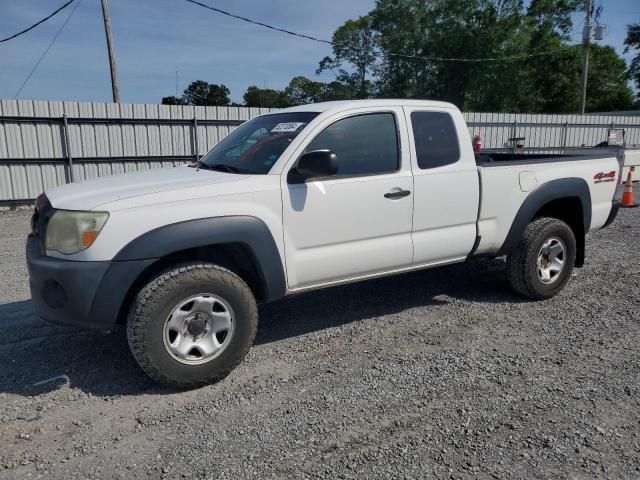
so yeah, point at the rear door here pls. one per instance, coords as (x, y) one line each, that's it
(446, 185)
(357, 222)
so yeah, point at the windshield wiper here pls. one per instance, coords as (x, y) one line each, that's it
(222, 167)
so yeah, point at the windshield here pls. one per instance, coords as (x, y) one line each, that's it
(255, 146)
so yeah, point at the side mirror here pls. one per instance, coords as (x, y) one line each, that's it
(318, 163)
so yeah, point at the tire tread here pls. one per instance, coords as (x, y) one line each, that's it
(138, 318)
(520, 259)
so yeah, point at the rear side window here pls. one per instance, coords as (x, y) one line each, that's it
(436, 139)
(363, 144)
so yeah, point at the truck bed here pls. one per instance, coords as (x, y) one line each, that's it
(508, 178)
(491, 158)
(499, 157)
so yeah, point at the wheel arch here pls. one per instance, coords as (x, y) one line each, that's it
(567, 199)
(242, 244)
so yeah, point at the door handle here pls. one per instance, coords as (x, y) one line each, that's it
(397, 194)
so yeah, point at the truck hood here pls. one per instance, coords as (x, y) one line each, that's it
(93, 193)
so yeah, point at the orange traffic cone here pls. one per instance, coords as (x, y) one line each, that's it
(627, 196)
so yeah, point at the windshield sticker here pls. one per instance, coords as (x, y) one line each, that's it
(287, 127)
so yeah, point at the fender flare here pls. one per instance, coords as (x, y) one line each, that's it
(554, 190)
(204, 232)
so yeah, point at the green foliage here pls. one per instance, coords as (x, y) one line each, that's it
(552, 17)
(302, 90)
(265, 97)
(201, 93)
(533, 81)
(607, 88)
(552, 82)
(632, 43)
(337, 91)
(466, 29)
(353, 43)
(173, 101)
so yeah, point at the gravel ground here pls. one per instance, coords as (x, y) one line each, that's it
(435, 374)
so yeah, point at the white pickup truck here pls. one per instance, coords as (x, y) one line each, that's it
(295, 200)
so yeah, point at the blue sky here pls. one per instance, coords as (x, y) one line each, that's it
(154, 38)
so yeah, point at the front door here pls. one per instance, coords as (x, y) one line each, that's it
(357, 222)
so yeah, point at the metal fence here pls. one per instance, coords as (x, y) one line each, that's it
(550, 131)
(44, 144)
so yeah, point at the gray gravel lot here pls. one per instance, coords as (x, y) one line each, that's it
(435, 374)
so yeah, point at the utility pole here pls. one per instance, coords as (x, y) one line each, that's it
(112, 59)
(586, 40)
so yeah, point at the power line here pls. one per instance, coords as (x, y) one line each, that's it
(38, 23)
(402, 55)
(245, 19)
(489, 59)
(44, 54)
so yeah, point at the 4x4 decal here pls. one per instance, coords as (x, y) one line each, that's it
(602, 177)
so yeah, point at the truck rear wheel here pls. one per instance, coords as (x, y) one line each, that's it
(542, 263)
(191, 325)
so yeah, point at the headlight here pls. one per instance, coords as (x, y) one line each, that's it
(70, 232)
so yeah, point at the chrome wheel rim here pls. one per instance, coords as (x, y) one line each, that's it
(551, 259)
(198, 329)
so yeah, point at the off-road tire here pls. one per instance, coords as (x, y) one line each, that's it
(158, 297)
(521, 263)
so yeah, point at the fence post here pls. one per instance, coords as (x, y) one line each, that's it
(194, 145)
(565, 132)
(67, 147)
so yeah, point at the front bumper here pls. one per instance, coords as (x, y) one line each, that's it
(83, 294)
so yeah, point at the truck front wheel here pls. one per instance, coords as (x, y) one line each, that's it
(192, 324)
(542, 263)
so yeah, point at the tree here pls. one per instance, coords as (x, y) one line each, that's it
(302, 90)
(265, 97)
(607, 88)
(202, 93)
(173, 101)
(632, 42)
(553, 81)
(353, 44)
(553, 17)
(336, 90)
(540, 70)
(407, 31)
(400, 27)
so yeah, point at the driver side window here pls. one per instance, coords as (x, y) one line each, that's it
(364, 144)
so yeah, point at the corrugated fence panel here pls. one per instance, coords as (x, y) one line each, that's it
(153, 131)
(109, 139)
(128, 131)
(538, 130)
(114, 132)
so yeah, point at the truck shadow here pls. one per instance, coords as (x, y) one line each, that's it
(37, 357)
(476, 281)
